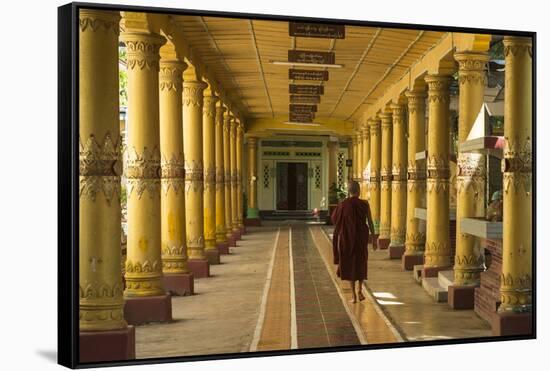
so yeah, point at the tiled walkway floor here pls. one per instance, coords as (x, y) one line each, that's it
(278, 290)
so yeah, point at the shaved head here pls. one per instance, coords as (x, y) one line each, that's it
(353, 188)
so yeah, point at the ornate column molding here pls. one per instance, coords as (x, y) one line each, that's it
(374, 181)
(438, 249)
(239, 157)
(234, 178)
(227, 176)
(366, 159)
(101, 304)
(415, 238)
(172, 169)
(471, 168)
(209, 158)
(399, 181)
(192, 102)
(143, 170)
(221, 239)
(517, 166)
(385, 178)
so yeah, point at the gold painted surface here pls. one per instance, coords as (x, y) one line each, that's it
(374, 181)
(399, 176)
(143, 263)
(516, 281)
(385, 174)
(172, 197)
(209, 161)
(220, 176)
(227, 174)
(100, 279)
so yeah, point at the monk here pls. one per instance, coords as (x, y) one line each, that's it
(351, 237)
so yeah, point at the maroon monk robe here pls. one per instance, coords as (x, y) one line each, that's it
(351, 236)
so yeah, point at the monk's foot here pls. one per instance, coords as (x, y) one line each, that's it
(361, 296)
(353, 300)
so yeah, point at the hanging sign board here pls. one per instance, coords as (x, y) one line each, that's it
(310, 75)
(306, 108)
(311, 56)
(300, 117)
(306, 89)
(310, 99)
(319, 30)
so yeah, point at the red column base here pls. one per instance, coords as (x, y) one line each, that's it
(383, 243)
(243, 230)
(237, 235)
(179, 284)
(409, 261)
(113, 345)
(199, 267)
(223, 248)
(396, 251)
(256, 222)
(433, 271)
(213, 256)
(461, 297)
(140, 310)
(506, 324)
(231, 241)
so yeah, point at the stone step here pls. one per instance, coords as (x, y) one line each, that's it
(446, 278)
(431, 285)
(417, 273)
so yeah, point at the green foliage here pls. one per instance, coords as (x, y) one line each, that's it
(122, 79)
(336, 193)
(123, 196)
(497, 51)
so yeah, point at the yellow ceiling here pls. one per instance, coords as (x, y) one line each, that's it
(239, 51)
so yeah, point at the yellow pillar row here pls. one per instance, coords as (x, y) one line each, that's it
(239, 159)
(227, 177)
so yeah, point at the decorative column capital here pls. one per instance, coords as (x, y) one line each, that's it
(416, 99)
(209, 105)
(192, 93)
(93, 20)
(386, 119)
(170, 75)
(252, 142)
(471, 67)
(438, 88)
(374, 125)
(366, 131)
(142, 49)
(517, 46)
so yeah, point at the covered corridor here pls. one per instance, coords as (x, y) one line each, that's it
(213, 150)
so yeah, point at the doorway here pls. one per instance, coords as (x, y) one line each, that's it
(292, 186)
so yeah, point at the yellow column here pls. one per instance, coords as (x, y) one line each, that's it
(194, 173)
(438, 249)
(469, 260)
(516, 280)
(354, 157)
(100, 277)
(239, 157)
(365, 162)
(416, 179)
(177, 278)
(233, 167)
(385, 180)
(399, 182)
(359, 170)
(221, 231)
(374, 184)
(209, 161)
(227, 178)
(143, 263)
(252, 211)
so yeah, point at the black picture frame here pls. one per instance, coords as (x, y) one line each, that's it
(68, 180)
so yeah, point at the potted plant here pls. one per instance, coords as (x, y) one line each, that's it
(335, 195)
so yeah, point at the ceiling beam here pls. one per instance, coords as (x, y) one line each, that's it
(356, 69)
(260, 66)
(387, 72)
